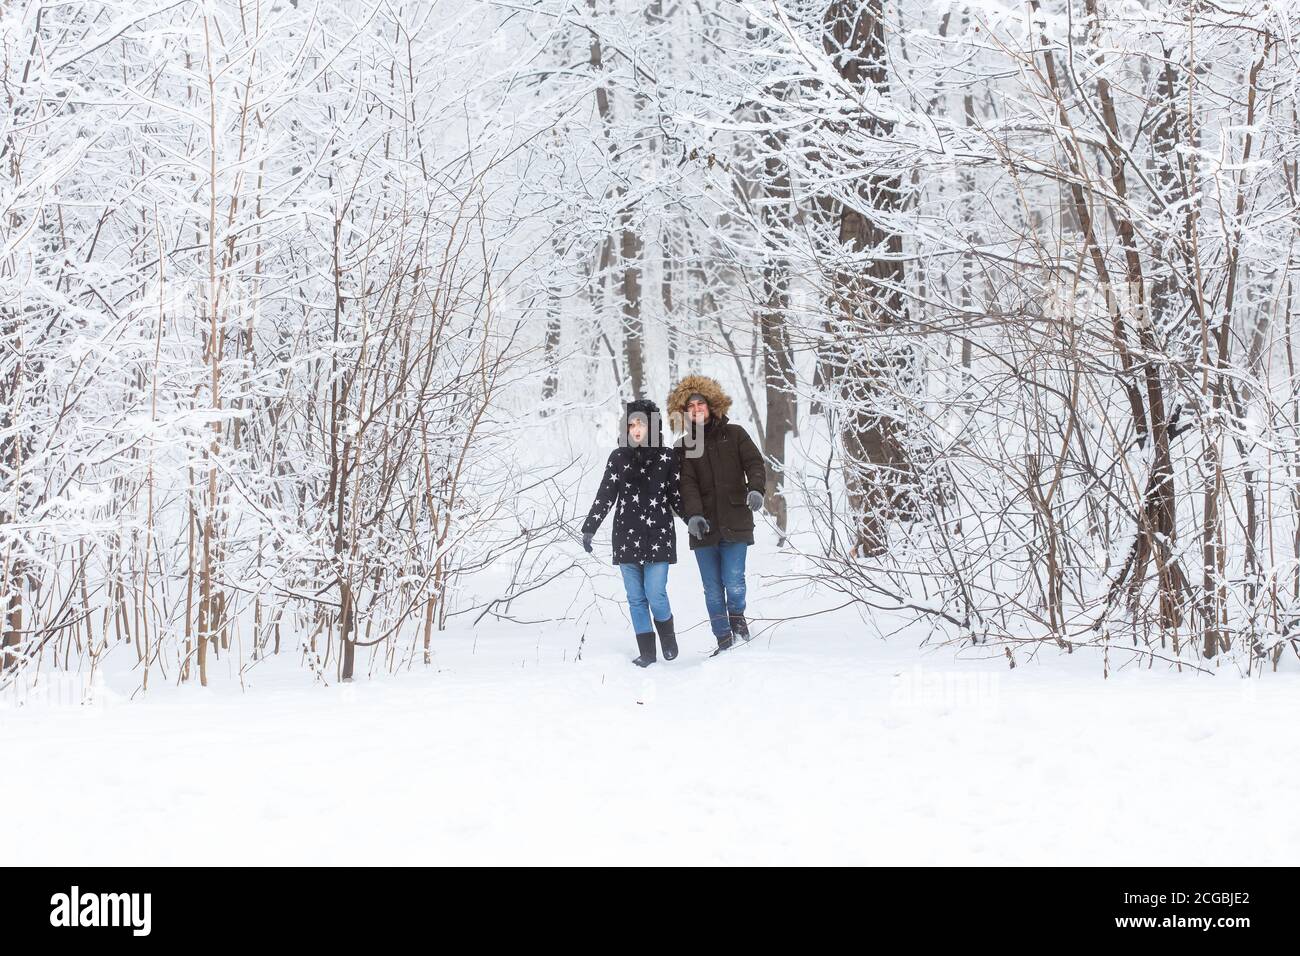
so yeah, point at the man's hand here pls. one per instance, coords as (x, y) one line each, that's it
(697, 526)
(587, 537)
(755, 500)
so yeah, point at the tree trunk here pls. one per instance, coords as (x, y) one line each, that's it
(551, 346)
(633, 326)
(868, 306)
(666, 282)
(778, 357)
(630, 243)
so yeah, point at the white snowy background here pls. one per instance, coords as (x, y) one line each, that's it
(816, 743)
(316, 319)
(833, 737)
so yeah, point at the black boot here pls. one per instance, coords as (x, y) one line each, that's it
(739, 626)
(724, 642)
(646, 644)
(667, 638)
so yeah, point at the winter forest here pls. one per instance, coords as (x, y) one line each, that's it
(317, 320)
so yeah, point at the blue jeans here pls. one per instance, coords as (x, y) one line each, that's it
(722, 572)
(647, 590)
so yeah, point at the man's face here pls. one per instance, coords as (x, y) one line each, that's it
(697, 411)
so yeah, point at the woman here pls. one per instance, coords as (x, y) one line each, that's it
(723, 481)
(641, 475)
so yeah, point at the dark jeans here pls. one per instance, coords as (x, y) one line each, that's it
(722, 572)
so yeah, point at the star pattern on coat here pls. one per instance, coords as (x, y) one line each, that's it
(643, 487)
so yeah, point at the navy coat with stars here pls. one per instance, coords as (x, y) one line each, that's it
(645, 485)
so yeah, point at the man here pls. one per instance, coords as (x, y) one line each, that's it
(722, 481)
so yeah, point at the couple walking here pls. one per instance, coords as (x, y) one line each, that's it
(713, 479)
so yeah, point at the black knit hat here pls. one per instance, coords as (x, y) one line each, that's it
(643, 405)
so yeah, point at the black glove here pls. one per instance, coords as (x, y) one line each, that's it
(697, 526)
(587, 537)
(755, 500)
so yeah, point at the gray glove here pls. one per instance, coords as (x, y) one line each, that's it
(587, 537)
(697, 526)
(755, 500)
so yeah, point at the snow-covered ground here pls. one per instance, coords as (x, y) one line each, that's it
(817, 743)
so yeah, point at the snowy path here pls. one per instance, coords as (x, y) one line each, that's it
(828, 746)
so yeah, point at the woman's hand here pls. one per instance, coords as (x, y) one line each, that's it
(697, 526)
(755, 500)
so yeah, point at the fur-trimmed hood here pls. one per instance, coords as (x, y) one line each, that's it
(719, 401)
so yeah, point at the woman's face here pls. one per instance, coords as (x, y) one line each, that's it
(636, 429)
(697, 411)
